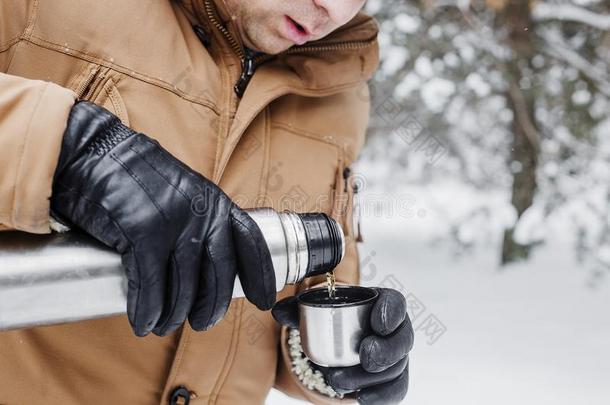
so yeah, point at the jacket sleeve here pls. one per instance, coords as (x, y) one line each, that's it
(33, 117)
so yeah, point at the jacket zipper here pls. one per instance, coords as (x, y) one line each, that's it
(84, 87)
(248, 67)
(250, 62)
(95, 83)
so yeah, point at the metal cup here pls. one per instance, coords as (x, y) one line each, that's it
(332, 328)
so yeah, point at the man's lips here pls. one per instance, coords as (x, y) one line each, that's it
(295, 32)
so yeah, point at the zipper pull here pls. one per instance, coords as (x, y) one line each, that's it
(346, 173)
(247, 71)
(355, 201)
(203, 36)
(357, 213)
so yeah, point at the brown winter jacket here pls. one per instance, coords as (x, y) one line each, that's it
(286, 144)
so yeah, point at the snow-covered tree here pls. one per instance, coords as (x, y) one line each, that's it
(512, 95)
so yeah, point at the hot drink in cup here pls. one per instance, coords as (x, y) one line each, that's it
(332, 327)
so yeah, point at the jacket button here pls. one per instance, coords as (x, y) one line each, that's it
(180, 396)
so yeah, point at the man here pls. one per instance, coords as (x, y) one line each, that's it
(114, 117)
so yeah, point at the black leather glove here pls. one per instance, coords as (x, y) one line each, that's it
(182, 240)
(382, 377)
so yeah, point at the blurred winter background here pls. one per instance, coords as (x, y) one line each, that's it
(485, 196)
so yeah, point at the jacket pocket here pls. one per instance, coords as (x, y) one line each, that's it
(310, 173)
(99, 85)
(346, 205)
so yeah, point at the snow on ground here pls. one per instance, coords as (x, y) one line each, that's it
(533, 333)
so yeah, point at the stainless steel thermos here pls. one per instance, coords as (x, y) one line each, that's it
(66, 277)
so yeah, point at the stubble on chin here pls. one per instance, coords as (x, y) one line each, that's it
(258, 35)
(249, 39)
(256, 29)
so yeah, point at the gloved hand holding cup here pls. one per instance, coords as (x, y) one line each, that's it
(360, 339)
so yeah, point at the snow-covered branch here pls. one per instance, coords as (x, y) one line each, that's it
(569, 12)
(559, 49)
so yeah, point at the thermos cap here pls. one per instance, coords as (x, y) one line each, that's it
(325, 242)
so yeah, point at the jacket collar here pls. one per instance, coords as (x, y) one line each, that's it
(348, 55)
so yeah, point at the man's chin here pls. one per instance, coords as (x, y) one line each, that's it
(272, 50)
(268, 46)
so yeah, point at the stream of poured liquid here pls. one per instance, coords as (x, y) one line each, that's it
(330, 284)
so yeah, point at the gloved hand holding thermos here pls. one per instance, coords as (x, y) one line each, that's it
(182, 240)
